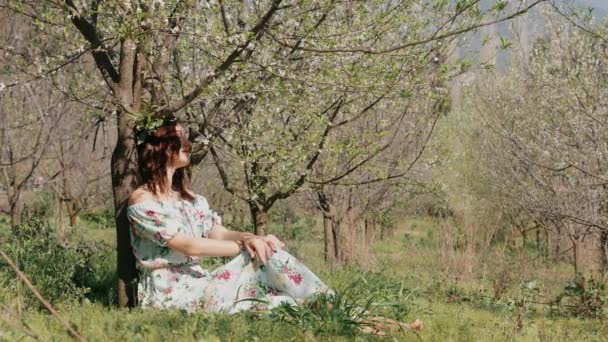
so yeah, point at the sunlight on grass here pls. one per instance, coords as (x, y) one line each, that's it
(402, 282)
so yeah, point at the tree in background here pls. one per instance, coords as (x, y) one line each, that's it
(296, 100)
(543, 140)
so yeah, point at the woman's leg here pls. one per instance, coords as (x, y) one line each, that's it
(287, 275)
(229, 284)
(245, 284)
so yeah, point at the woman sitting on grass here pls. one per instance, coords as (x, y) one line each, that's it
(173, 228)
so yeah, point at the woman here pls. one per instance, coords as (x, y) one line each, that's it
(172, 229)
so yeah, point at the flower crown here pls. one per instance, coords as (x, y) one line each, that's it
(147, 125)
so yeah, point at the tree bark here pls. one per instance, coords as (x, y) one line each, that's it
(124, 181)
(20, 170)
(71, 204)
(259, 217)
(329, 246)
(524, 236)
(328, 211)
(558, 239)
(575, 255)
(73, 216)
(539, 241)
(604, 251)
(335, 231)
(16, 209)
(546, 247)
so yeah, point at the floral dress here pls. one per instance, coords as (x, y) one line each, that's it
(170, 279)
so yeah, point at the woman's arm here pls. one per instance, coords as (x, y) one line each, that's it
(257, 246)
(199, 246)
(220, 232)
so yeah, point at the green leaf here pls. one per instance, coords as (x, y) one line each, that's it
(505, 43)
(499, 6)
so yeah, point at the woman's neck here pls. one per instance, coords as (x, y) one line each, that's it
(170, 173)
(168, 193)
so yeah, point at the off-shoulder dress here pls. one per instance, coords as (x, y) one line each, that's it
(170, 279)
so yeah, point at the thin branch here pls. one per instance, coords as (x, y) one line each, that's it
(198, 90)
(389, 177)
(224, 19)
(577, 25)
(46, 304)
(298, 183)
(434, 37)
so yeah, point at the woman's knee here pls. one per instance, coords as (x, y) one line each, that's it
(281, 255)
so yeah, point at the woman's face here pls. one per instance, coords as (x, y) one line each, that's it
(182, 158)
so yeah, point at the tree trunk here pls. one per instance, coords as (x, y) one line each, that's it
(124, 181)
(546, 246)
(70, 202)
(329, 246)
(73, 217)
(16, 209)
(259, 218)
(335, 231)
(604, 251)
(328, 211)
(539, 242)
(558, 239)
(575, 255)
(20, 170)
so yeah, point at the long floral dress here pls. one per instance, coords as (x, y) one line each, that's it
(170, 279)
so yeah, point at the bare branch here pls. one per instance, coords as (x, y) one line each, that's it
(46, 304)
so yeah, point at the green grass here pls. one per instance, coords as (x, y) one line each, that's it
(405, 280)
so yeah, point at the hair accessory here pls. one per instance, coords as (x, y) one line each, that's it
(147, 125)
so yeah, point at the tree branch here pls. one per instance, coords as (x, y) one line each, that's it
(298, 183)
(198, 90)
(99, 51)
(434, 37)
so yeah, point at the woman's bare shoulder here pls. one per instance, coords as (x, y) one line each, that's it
(139, 195)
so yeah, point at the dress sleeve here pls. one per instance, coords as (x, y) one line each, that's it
(210, 217)
(151, 221)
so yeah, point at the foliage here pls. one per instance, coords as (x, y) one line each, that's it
(328, 315)
(524, 155)
(101, 217)
(585, 298)
(61, 272)
(290, 227)
(42, 205)
(405, 288)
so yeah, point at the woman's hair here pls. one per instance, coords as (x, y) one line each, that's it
(155, 154)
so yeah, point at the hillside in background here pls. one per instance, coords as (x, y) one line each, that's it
(524, 29)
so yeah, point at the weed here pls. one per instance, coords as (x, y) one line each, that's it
(584, 298)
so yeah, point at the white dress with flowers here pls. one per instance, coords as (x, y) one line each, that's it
(170, 279)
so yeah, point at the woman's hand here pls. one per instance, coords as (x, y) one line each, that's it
(262, 246)
(273, 242)
(257, 247)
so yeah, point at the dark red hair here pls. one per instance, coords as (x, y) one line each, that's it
(155, 155)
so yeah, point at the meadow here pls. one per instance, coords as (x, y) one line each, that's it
(448, 170)
(409, 276)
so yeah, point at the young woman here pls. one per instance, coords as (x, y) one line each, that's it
(172, 229)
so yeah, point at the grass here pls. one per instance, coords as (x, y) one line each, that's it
(405, 280)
